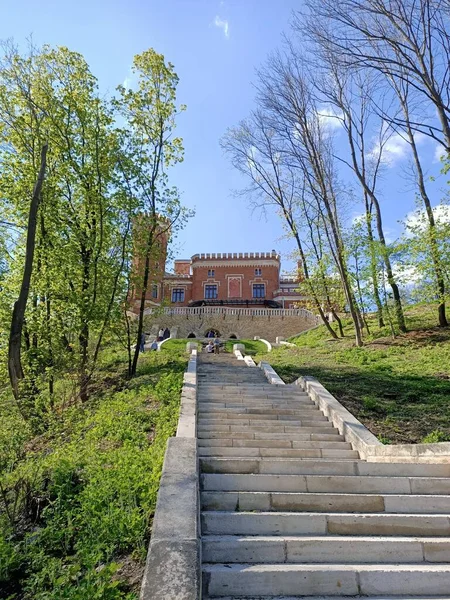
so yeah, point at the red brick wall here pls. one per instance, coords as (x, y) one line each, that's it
(239, 268)
(177, 284)
(182, 267)
(157, 261)
(223, 271)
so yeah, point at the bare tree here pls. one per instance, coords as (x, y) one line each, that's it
(285, 93)
(402, 89)
(350, 93)
(407, 40)
(252, 148)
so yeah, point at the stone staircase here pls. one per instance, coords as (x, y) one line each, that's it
(289, 510)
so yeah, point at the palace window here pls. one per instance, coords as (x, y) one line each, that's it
(258, 272)
(259, 290)
(178, 295)
(210, 272)
(210, 292)
(154, 291)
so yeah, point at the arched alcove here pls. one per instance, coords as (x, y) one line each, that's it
(233, 336)
(212, 333)
(191, 335)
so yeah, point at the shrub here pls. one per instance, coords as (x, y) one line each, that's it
(436, 436)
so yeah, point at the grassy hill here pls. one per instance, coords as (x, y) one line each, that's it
(399, 388)
(76, 502)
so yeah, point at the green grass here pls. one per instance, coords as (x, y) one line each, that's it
(80, 498)
(252, 347)
(175, 345)
(399, 388)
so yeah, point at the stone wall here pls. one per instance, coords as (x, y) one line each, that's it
(268, 327)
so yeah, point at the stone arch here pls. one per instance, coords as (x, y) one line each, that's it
(233, 336)
(191, 335)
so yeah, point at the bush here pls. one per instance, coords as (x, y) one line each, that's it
(435, 437)
(91, 493)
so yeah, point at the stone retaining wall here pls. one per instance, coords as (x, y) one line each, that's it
(241, 326)
(172, 569)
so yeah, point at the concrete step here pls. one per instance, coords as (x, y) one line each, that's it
(304, 445)
(324, 524)
(241, 390)
(335, 503)
(279, 452)
(247, 380)
(261, 421)
(246, 412)
(358, 467)
(354, 484)
(391, 597)
(244, 435)
(266, 465)
(262, 403)
(254, 400)
(236, 412)
(271, 414)
(244, 580)
(244, 387)
(306, 427)
(324, 550)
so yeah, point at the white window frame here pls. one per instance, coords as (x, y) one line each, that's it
(183, 294)
(263, 285)
(211, 285)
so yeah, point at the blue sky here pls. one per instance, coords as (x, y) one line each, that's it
(215, 47)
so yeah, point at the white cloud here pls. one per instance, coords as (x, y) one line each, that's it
(129, 79)
(330, 118)
(439, 153)
(359, 219)
(417, 220)
(407, 275)
(395, 148)
(222, 24)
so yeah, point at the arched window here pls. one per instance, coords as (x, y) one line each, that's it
(212, 333)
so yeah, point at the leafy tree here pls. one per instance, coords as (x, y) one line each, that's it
(150, 112)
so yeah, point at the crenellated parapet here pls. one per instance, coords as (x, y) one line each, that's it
(237, 256)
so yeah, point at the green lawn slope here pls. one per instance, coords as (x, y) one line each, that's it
(399, 388)
(76, 502)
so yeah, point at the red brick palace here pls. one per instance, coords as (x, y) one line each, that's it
(228, 279)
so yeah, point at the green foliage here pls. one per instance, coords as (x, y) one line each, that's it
(101, 178)
(91, 487)
(252, 347)
(426, 247)
(436, 436)
(398, 388)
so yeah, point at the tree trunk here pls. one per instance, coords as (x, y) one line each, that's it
(83, 336)
(390, 275)
(373, 265)
(15, 335)
(148, 250)
(337, 318)
(434, 249)
(368, 192)
(306, 274)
